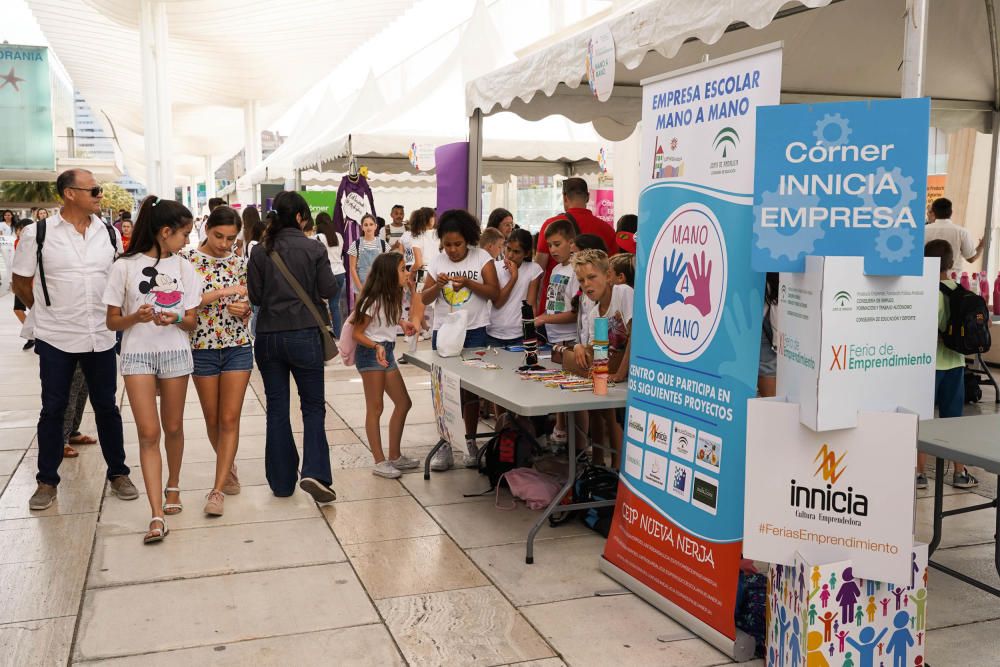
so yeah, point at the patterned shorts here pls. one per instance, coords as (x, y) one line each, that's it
(164, 364)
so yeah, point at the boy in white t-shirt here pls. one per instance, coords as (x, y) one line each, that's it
(559, 318)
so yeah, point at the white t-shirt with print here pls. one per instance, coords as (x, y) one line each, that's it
(406, 241)
(172, 285)
(619, 314)
(449, 299)
(563, 286)
(505, 322)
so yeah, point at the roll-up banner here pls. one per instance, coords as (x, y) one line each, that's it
(678, 527)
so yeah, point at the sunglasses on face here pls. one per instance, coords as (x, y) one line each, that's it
(95, 191)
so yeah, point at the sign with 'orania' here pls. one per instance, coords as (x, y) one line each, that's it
(26, 138)
(841, 179)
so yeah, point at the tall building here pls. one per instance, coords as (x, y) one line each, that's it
(91, 141)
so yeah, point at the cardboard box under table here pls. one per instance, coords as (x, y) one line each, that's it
(507, 389)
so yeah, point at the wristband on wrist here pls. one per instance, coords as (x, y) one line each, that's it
(180, 318)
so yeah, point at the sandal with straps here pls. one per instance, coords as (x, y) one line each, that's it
(156, 534)
(172, 508)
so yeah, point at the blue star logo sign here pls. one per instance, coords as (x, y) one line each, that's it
(12, 79)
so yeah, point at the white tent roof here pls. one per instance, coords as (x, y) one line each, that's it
(832, 47)
(428, 110)
(222, 54)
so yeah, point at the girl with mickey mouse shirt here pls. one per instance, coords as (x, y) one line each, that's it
(153, 295)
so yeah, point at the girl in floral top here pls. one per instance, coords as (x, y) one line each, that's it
(223, 355)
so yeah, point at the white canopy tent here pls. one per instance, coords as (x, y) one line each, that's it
(221, 64)
(426, 107)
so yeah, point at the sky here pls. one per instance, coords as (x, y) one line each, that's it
(18, 25)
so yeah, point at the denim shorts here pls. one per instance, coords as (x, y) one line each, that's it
(164, 364)
(503, 342)
(208, 363)
(473, 338)
(365, 359)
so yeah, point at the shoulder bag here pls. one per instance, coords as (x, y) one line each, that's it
(329, 344)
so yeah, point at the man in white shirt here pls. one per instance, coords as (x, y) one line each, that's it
(958, 237)
(65, 294)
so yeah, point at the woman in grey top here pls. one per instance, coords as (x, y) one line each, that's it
(288, 343)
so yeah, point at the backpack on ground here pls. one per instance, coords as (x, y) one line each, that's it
(40, 227)
(973, 390)
(968, 327)
(593, 483)
(512, 447)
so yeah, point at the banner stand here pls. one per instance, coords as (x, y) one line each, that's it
(741, 649)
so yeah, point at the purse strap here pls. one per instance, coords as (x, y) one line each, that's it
(301, 293)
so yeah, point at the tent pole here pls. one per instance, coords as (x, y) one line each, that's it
(298, 180)
(475, 194)
(914, 48)
(156, 109)
(991, 192)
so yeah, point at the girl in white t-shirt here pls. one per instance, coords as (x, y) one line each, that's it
(333, 241)
(363, 252)
(426, 246)
(153, 295)
(519, 281)
(613, 302)
(463, 277)
(378, 312)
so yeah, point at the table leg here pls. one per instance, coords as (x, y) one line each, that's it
(529, 556)
(938, 504)
(430, 455)
(996, 532)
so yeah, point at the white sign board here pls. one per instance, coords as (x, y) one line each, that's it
(447, 399)
(845, 494)
(843, 338)
(601, 63)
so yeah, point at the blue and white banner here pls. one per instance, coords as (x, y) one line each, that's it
(842, 179)
(695, 338)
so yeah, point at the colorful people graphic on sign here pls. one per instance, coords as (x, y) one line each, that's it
(865, 646)
(901, 640)
(848, 596)
(814, 656)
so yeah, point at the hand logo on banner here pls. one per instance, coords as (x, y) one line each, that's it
(737, 325)
(685, 307)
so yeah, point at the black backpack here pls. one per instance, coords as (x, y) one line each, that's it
(40, 241)
(968, 328)
(593, 483)
(510, 448)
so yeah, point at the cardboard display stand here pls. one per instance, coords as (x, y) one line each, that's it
(845, 494)
(850, 342)
(822, 614)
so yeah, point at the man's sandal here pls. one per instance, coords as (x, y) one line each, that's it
(156, 534)
(81, 439)
(172, 508)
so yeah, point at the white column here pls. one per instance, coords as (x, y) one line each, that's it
(475, 195)
(157, 121)
(209, 177)
(251, 141)
(914, 48)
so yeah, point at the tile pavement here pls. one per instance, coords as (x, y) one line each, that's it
(394, 573)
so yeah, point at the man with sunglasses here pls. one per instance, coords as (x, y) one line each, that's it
(69, 319)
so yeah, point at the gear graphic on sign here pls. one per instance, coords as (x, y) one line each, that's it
(792, 245)
(825, 122)
(904, 184)
(882, 244)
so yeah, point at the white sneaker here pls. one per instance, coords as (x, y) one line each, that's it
(385, 469)
(425, 335)
(471, 459)
(559, 437)
(404, 463)
(443, 459)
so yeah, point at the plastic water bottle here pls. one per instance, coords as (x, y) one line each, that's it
(974, 283)
(996, 295)
(964, 281)
(984, 287)
(599, 370)
(953, 275)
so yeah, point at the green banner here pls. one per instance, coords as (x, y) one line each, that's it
(320, 200)
(26, 137)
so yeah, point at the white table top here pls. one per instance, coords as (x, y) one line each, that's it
(973, 440)
(506, 388)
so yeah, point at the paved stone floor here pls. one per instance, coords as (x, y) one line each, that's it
(393, 573)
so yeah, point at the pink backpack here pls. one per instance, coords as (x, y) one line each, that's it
(535, 488)
(347, 343)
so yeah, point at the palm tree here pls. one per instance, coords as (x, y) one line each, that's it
(28, 192)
